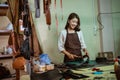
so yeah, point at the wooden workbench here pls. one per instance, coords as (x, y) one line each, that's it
(107, 72)
(105, 75)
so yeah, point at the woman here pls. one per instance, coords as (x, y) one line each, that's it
(71, 39)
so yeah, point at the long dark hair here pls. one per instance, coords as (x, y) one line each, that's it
(71, 16)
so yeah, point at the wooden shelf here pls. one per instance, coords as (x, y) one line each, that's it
(3, 9)
(5, 32)
(5, 56)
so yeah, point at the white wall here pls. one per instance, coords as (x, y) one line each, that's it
(106, 20)
(116, 25)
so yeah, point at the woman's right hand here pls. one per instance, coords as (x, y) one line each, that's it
(72, 56)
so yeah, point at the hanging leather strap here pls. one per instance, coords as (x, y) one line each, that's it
(44, 9)
(47, 11)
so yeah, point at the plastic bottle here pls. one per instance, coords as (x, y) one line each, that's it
(117, 69)
(5, 50)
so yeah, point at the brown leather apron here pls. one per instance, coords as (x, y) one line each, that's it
(72, 45)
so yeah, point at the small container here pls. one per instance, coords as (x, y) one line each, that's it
(42, 68)
(5, 50)
(50, 67)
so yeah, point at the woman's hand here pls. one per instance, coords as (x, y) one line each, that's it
(72, 56)
(86, 52)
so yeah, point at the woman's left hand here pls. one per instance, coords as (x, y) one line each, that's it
(86, 52)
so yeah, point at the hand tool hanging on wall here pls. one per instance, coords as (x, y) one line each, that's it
(46, 6)
(37, 8)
